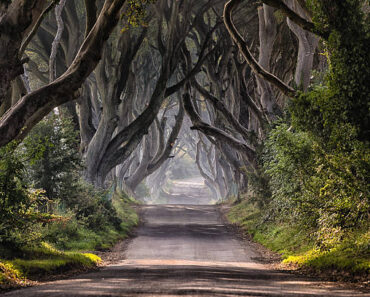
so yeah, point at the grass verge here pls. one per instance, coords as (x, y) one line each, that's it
(65, 251)
(75, 236)
(349, 258)
(41, 261)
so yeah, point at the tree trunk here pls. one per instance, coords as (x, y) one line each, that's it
(34, 106)
(307, 44)
(267, 35)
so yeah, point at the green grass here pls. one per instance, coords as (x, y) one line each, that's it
(41, 261)
(296, 246)
(87, 240)
(68, 252)
(74, 236)
(125, 211)
(352, 254)
(46, 259)
(10, 277)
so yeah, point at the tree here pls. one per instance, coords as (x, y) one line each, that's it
(55, 162)
(171, 35)
(17, 19)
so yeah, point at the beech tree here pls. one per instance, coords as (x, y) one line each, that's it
(235, 72)
(20, 18)
(172, 32)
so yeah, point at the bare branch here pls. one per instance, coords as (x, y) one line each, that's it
(35, 27)
(170, 142)
(207, 129)
(56, 41)
(91, 9)
(220, 106)
(296, 18)
(28, 111)
(243, 47)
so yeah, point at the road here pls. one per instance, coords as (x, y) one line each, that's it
(186, 250)
(186, 191)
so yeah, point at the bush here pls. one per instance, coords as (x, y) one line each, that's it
(54, 162)
(289, 162)
(325, 191)
(79, 216)
(20, 205)
(94, 222)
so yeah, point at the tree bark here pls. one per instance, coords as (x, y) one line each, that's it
(267, 35)
(243, 47)
(34, 106)
(307, 44)
(15, 22)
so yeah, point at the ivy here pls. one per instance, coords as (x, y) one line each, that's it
(136, 13)
(319, 167)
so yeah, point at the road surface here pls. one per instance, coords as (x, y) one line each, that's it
(186, 250)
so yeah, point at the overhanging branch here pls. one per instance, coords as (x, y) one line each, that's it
(28, 111)
(207, 129)
(243, 47)
(296, 18)
(35, 27)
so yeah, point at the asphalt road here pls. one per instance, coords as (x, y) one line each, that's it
(186, 250)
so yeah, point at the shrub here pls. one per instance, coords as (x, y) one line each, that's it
(54, 162)
(326, 191)
(20, 205)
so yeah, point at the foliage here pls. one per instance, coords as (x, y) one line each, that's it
(39, 261)
(351, 255)
(92, 206)
(335, 115)
(79, 217)
(283, 237)
(317, 161)
(288, 160)
(327, 192)
(10, 277)
(124, 207)
(136, 13)
(70, 234)
(91, 226)
(55, 164)
(20, 205)
(342, 103)
(54, 161)
(296, 244)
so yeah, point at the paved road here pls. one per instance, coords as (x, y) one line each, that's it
(190, 191)
(186, 250)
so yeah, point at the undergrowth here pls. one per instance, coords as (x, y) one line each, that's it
(40, 261)
(65, 246)
(77, 235)
(297, 245)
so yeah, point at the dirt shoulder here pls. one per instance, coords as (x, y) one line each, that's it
(265, 256)
(274, 261)
(117, 253)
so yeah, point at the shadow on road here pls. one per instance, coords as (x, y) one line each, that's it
(186, 250)
(161, 278)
